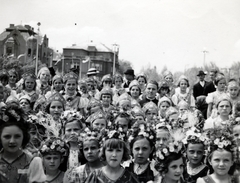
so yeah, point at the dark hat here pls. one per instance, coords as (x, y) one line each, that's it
(200, 73)
(129, 72)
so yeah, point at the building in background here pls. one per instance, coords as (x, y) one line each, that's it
(20, 42)
(83, 57)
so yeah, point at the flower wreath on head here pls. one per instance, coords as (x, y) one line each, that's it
(54, 144)
(220, 139)
(70, 115)
(141, 128)
(162, 154)
(113, 134)
(195, 136)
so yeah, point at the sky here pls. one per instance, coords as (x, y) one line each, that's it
(171, 33)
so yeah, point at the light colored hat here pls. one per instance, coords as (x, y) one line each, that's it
(167, 73)
(92, 71)
(137, 111)
(150, 106)
(70, 75)
(134, 83)
(56, 97)
(164, 99)
(27, 97)
(56, 77)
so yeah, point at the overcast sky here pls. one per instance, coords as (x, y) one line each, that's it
(149, 32)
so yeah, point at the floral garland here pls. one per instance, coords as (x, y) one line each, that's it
(194, 135)
(141, 128)
(89, 134)
(220, 139)
(54, 144)
(113, 134)
(70, 115)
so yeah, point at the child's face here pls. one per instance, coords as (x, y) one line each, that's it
(90, 150)
(123, 123)
(195, 154)
(162, 138)
(12, 78)
(163, 107)
(114, 156)
(139, 117)
(25, 105)
(224, 108)
(182, 109)
(52, 161)
(71, 86)
(163, 91)
(118, 82)
(175, 170)
(4, 82)
(150, 114)
(72, 131)
(125, 105)
(107, 83)
(44, 76)
(34, 137)
(221, 85)
(106, 99)
(183, 85)
(151, 90)
(99, 124)
(169, 79)
(236, 134)
(173, 120)
(141, 151)
(56, 109)
(135, 92)
(29, 84)
(233, 91)
(83, 89)
(58, 85)
(90, 86)
(141, 81)
(11, 139)
(221, 162)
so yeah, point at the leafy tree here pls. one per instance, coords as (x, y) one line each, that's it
(123, 66)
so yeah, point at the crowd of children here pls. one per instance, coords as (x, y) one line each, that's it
(60, 129)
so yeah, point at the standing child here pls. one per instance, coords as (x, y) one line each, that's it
(53, 151)
(114, 151)
(91, 148)
(14, 161)
(220, 157)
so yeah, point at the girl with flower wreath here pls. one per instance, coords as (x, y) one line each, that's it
(195, 142)
(114, 151)
(73, 124)
(53, 152)
(170, 161)
(163, 104)
(142, 145)
(220, 157)
(57, 86)
(123, 120)
(90, 140)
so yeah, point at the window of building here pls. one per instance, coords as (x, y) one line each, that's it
(97, 66)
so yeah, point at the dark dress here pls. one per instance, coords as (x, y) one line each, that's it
(145, 176)
(193, 178)
(97, 176)
(146, 100)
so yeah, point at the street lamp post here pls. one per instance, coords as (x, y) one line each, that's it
(115, 46)
(204, 56)
(36, 66)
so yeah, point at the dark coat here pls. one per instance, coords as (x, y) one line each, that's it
(198, 90)
(210, 87)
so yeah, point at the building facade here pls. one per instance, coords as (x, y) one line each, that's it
(20, 41)
(88, 56)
